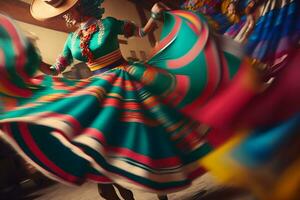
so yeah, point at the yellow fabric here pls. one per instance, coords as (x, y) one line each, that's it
(261, 181)
(105, 60)
(219, 161)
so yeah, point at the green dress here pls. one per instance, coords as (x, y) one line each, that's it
(136, 124)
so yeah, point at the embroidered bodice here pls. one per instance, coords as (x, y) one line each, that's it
(103, 42)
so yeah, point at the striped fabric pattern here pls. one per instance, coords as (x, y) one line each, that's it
(105, 60)
(276, 30)
(136, 124)
(18, 62)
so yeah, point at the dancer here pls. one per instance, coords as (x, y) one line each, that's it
(140, 125)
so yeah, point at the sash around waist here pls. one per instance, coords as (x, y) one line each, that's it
(118, 63)
(113, 58)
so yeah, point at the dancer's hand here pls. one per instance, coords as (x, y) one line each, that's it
(46, 69)
(156, 11)
(159, 7)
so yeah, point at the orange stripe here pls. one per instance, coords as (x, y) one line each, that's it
(117, 52)
(108, 60)
(8, 103)
(151, 102)
(137, 117)
(175, 126)
(105, 60)
(101, 59)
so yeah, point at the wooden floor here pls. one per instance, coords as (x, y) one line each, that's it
(195, 192)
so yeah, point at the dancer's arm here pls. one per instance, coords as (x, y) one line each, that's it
(64, 60)
(156, 14)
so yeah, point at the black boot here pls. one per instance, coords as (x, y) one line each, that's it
(125, 193)
(107, 191)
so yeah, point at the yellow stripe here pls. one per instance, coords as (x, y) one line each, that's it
(105, 60)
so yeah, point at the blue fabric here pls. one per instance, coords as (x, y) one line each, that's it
(262, 144)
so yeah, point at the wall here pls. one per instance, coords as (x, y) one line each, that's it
(125, 10)
(50, 42)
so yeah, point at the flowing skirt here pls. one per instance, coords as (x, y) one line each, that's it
(143, 125)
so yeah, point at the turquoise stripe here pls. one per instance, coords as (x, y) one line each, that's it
(20, 141)
(58, 153)
(167, 185)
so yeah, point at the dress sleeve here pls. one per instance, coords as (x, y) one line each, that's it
(125, 27)
(66, 58)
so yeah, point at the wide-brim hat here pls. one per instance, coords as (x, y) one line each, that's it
(46, 9)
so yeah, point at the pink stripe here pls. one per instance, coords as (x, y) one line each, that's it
(63, 117)
(37, 80)
(213, 76)
(117, 103)
(95, 133)
(110, 54)
(111, 57)
(112, 102)
(106, 57)
(109, 77)
(194, 52)
(83, 93)
(194, 28)
(7, 130)
(18, 47)
(224, 105)
(194, 22)
(60, 84)
(165, 41)
(180, 90)
(98, 178)
(186, 127)
(157, 163)
(127, 85)
(79, 85)
(132, 106)
(191, 140)
(5, 80)
(33, 147)
(106, 61)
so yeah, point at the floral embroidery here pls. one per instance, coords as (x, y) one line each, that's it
(101, 31)
(85, 36)
(85, 41)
